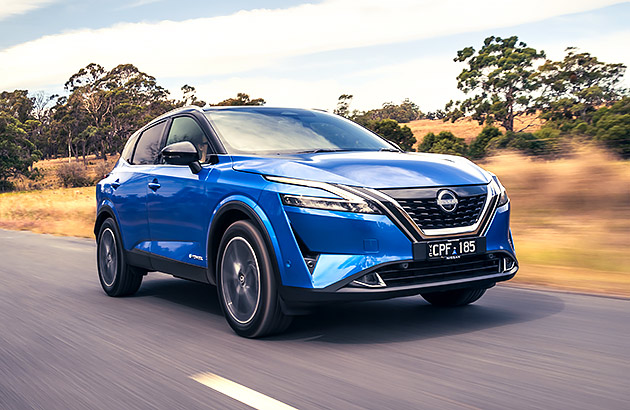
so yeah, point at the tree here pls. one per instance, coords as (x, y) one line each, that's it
(576, 86)
(443, 143)
(392, 131)
(343, 105)
(406, 111)
(611, 125)
(39, 125)
(435, 115)
(501, 77)
(112, 104)
(17, 153)
(241, 99)
(190, 97)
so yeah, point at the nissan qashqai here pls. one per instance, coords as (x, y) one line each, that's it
(283, 209)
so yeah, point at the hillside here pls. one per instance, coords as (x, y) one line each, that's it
(467, 128)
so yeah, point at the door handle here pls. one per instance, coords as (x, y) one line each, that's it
(116, 184)
(154, 185)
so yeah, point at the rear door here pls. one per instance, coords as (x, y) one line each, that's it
(131, 186)
(178, 204)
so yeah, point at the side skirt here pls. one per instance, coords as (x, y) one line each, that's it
(178, 269)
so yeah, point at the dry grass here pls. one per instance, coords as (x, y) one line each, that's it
(467, 128)
(570, 218)
(95, 169)
(61, 211)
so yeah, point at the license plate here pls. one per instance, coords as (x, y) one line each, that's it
(449, 249)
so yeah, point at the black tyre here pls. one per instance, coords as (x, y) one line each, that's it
(246, 283)
(116, 276)
(457, 297)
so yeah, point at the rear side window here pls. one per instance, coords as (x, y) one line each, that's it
(187, 129)
(149, 145)
(128, 150)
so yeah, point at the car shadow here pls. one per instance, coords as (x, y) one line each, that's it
(394, 320)
(412, 318)
(182, 292)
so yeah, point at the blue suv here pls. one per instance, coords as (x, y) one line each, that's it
(283, 209)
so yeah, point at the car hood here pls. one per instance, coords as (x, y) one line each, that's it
(368, 169)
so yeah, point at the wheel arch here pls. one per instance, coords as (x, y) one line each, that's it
(104, 212)
(236, 210)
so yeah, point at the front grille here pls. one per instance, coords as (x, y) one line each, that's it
(426, 213)
(418, 273)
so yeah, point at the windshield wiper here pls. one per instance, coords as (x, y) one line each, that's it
(390, 150)
(317, 150)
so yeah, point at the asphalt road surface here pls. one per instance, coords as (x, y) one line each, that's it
(64, 344)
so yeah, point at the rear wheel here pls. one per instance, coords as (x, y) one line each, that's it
(246, 283)
(457, 297)
(116, 276)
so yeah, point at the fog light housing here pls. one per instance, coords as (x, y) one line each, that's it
(508, 264)
(370, 280)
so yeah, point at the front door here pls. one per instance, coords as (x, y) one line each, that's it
(178, 203)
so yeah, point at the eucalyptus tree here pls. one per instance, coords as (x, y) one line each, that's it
(500, 78)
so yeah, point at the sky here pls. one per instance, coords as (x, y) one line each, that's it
(294, 53)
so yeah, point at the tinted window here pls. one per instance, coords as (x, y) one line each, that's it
(128, 150)
(187, 129)
(276, 130)
(148, 147)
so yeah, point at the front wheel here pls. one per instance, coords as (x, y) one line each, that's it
(457, 297)
(246, 283)
(116, 276)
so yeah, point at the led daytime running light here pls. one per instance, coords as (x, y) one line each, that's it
(329, 204)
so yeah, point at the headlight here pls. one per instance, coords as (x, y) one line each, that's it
(347, 201)
(500, 189)
(330, 204)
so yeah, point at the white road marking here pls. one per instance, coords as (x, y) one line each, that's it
(241, 393)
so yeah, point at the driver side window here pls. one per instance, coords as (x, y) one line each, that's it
(187, 129)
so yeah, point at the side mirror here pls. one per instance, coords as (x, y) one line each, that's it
(182, 153)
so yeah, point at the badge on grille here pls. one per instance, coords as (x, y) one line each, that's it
(447, 200)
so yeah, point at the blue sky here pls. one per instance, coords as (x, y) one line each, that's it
(293, 53)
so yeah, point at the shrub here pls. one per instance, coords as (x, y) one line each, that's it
(478, 146)
(525, 142)
(392, 131)
(6, 186)
(612, 127)
(73, 175)
(102, 169)
(443, 143)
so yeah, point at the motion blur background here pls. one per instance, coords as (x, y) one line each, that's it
(537, 94)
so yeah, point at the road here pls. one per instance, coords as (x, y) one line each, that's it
(65, 345)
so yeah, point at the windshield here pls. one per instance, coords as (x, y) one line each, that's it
(262, 130)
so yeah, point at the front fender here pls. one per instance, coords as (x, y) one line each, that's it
(254, 212)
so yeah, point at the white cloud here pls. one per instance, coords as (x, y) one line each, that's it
(429, 81)
(13, 7)
(276, 91)
(250, 40)
(138, 3)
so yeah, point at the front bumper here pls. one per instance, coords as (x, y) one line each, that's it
(406, 278)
